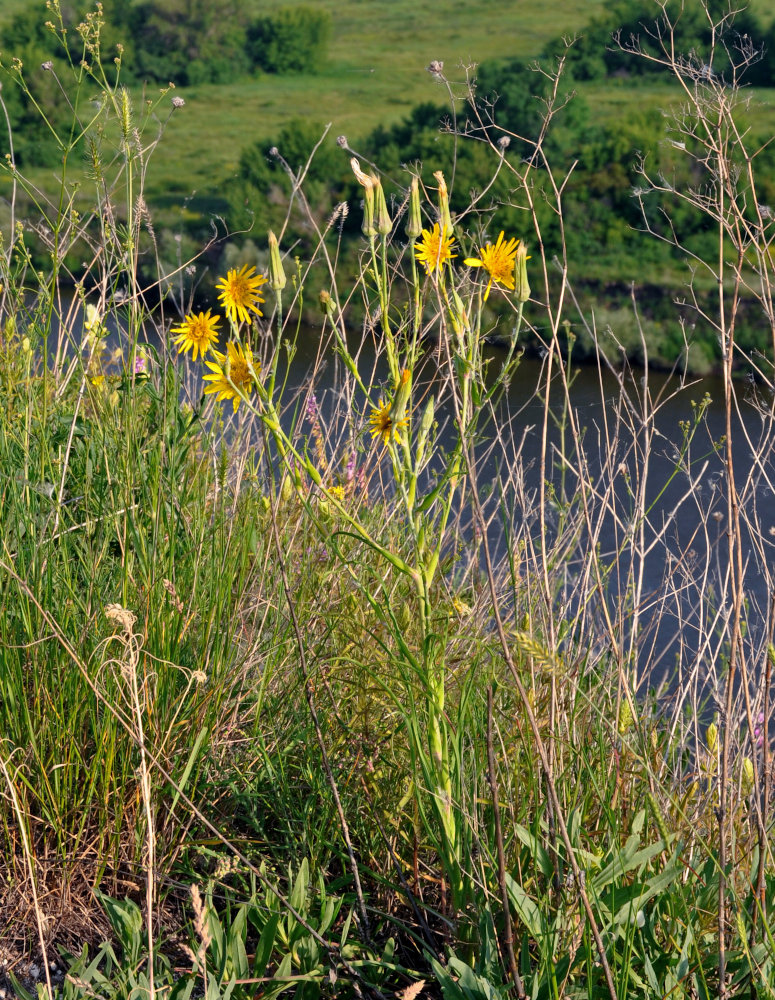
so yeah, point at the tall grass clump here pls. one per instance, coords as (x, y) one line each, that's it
(355, 683)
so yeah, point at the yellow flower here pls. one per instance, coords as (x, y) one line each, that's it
(498, 261)
(232, 374)
(197, 333)
(239, 293)
(384, 425)
(434, 248)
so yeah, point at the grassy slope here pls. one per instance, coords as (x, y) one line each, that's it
(376, 73)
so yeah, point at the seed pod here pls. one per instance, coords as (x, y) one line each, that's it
(384, 222)
(445, 219)
(277, 279)
(521, 284)
(414, 223)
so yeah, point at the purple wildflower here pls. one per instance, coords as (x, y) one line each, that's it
(312, 406)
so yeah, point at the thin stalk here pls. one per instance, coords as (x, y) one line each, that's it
(508, 931)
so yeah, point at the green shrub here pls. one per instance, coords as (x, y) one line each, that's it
(293, 40)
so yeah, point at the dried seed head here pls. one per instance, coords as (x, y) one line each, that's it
(120, 616)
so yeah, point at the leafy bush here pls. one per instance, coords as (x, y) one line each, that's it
(190, 41)
(292, 40)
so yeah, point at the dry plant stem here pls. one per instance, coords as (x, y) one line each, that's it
(39, 918)
(551, 788)
(331, 948)
(760, 901)
(316, 723)
(508, 931)
(554, 800)
(734, 541)
(145, 785)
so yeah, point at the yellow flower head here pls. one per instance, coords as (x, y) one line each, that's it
(232, 374)
(384, 424)
(498, 261)
(197, 333)
(239, 293)
(434, 249)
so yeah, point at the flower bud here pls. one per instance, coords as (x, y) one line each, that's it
(426, 424)
(711, 737)
(459, 317)
(327, 306)
(414, 223)
(445, 219)
(401, 397)
(367, 227)
(521, 284)
(384, 222)
(277, 279)
(747, 776)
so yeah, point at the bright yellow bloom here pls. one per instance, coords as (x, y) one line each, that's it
(434, 249)
(239, 293)
(498, 261)
(197, 333)
(384, 425)
(232, 374)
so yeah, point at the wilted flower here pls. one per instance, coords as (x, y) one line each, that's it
(444, 217)
(367, 227)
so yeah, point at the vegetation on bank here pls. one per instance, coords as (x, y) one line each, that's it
(605, 211)
(313, 688)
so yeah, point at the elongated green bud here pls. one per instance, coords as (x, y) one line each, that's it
(414, 223)
(711, 737)
(459, 317)
(521, 284)
(367, 227)
(277, 279)
(401, 398)
(445, 219)
(424, 432)
(384, 222)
